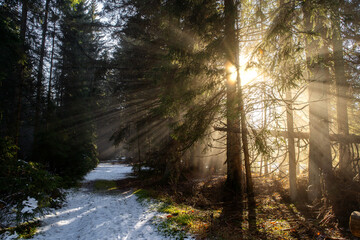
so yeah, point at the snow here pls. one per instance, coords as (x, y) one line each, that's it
(96, 215)
(109, 171)
(9, 236)
(29, 205)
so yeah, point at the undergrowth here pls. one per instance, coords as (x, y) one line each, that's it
(24, 230)
(177, 220)
(203, 214)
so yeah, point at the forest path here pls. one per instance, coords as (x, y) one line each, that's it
(93, 214)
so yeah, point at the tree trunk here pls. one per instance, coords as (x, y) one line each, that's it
(264, 157)
(341, 92)
(291, 146)
(39, 83)
(354, 223)
(138, 147)
(290, 140)
(233, 139)
(51, 68)
(244, 133)
(298, 158)
(319, 76)
(244, 138)
(24, 13)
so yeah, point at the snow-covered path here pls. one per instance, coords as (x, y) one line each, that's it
(93, 215)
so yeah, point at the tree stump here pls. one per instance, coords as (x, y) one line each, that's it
(355, 223)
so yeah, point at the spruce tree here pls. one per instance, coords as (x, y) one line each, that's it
(169, 56)
(67, 146)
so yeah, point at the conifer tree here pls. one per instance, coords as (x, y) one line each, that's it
(233, 139)
(12, 53)
(67, 146)
(319, 77)
(39, 83)
(341, 88)
(177, 46)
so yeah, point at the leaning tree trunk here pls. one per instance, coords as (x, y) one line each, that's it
(319, 77)
(244, 134)
(233, 140)
(245, 142)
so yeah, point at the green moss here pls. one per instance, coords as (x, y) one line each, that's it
(143, 194)
(170, 208)
(105, 185)
(170, 228)
(178, 219)
(24, 230)
(182, 218)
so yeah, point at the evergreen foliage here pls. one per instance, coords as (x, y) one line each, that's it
(67, 143)
(168, 89)
(68, 153)
(170, 56)
(11, 56)
(21, 181)
(65, 148)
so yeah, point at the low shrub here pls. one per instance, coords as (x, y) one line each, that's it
(26, 189)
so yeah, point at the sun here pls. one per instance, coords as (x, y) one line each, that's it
(231, 72)
(247, 75)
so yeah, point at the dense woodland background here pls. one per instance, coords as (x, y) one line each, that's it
(184, 89)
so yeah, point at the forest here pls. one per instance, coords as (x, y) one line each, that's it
(240, 118)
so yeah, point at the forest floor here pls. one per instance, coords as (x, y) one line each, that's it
(203, 201)
(113, 204)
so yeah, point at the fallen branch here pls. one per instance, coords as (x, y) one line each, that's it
(351, 138)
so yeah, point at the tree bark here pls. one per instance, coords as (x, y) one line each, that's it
(291, 146)
(51, 68)
(341, 92)
(290, 140)
(264, 158)
(319, 77)
(39, 83)
(24, 12)
(244, 134)
(354, 223)
(233, 140)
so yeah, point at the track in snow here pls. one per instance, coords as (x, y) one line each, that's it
(91, 215)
